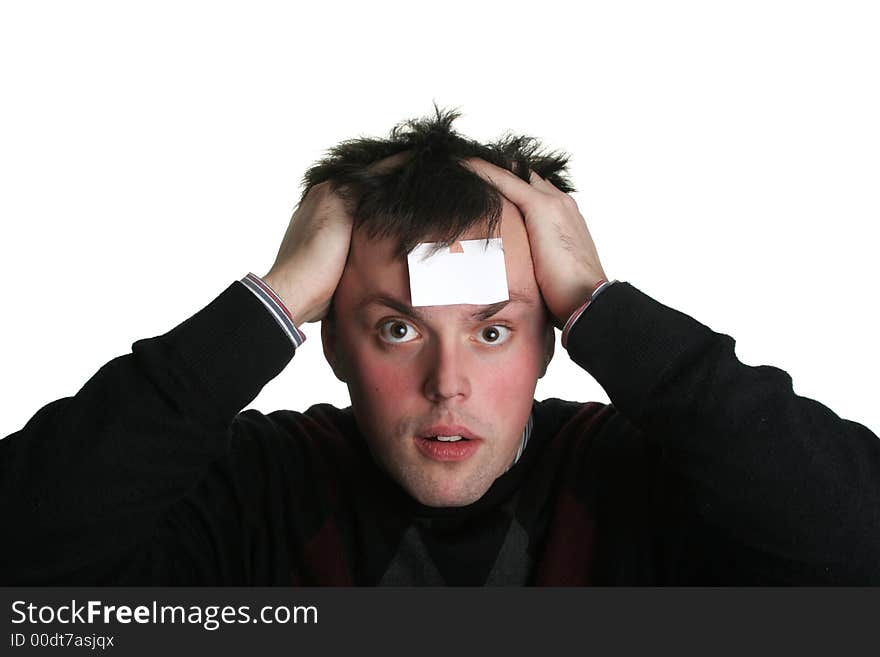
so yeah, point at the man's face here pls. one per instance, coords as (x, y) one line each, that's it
(411, 371)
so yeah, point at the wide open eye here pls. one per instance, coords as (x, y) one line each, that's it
(495, 334)
(395, 330)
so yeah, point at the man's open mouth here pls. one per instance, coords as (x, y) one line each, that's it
(447, 433)
(441, 444)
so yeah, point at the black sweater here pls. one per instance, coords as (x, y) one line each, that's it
(702, 471)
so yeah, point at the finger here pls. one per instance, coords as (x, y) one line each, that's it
(389, 163)
(541, 183)
(509, 184)
(537, 180)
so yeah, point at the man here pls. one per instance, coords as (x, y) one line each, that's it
(444, 470)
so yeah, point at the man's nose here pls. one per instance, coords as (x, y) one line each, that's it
(447, 372)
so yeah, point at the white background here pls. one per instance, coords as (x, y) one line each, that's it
(726, 156)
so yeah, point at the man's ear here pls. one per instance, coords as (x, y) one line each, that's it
(330, 344)
(549, 347)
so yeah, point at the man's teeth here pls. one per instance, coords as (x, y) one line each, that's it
(448, 439)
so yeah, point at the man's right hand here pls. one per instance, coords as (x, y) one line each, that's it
(314, 251)
(312, 256)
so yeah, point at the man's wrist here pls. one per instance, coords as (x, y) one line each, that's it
(599, 287)
(273, 302)
(290, 295)
(577, 296)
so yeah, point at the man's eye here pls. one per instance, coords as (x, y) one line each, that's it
(396, 331)
(495, 334)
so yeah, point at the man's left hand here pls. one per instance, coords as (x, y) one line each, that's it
(566, 263)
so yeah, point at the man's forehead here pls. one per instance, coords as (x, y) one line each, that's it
(374, 266)
(379, 299)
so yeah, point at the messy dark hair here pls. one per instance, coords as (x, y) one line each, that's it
(430, 192)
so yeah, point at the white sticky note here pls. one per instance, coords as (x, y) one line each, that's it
(477, 275)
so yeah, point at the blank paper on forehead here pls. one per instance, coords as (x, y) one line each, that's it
(477, 275)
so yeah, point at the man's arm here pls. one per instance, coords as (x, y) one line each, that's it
(784, 488)
(778, 480)
(89, 479)
(90, 476)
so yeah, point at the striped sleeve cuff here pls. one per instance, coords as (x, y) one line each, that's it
(275, 307)
(601, 287)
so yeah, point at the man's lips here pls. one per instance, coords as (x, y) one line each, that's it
(448, 430)
(448, 451)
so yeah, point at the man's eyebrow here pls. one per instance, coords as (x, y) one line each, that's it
(482, 313)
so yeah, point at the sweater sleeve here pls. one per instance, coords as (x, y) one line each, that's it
(90, 477)
(781, 490)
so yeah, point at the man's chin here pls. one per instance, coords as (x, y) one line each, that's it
(445, 496)
(440, 485)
